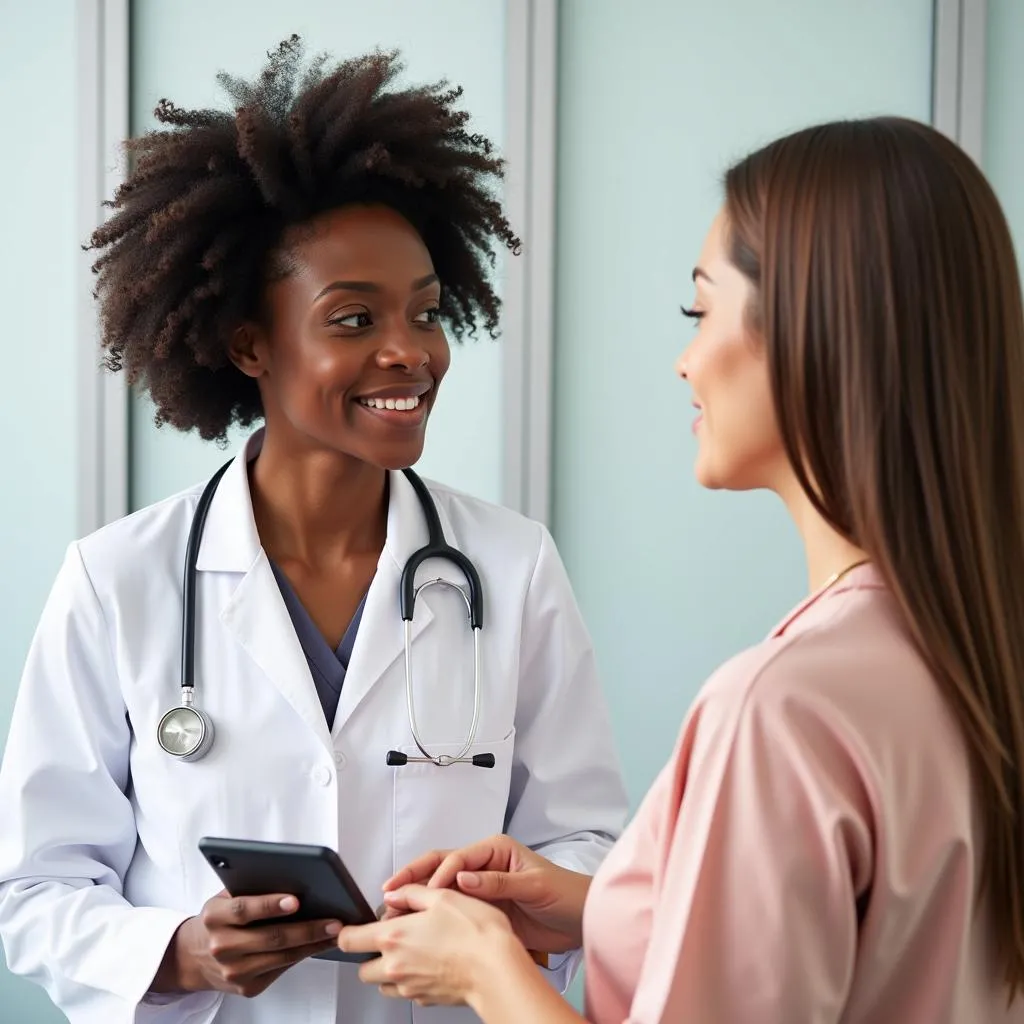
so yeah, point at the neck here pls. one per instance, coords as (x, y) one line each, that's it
(827, 551)
(312, 504)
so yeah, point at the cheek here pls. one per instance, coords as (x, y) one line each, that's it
(738, 405)
(311, 377)
(440, 355)
(725, 371)
(300, 358)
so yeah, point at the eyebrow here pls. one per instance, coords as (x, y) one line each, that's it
(368, 286)
(697, 272)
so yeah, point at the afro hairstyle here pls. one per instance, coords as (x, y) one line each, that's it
(197, 229)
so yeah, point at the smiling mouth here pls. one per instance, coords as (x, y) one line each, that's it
(398, 412)
(397, 404)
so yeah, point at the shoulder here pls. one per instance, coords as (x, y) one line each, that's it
(852, 682)
(484, 525)
(149, 540)
(854, 663)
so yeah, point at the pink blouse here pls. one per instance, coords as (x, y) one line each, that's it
(811, 852)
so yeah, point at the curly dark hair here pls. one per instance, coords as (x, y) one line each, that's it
(197, 231)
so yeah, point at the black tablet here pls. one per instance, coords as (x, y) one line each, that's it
(315, 875)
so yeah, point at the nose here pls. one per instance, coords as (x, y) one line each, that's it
(404, 349)
(684, 361)
(680, 365)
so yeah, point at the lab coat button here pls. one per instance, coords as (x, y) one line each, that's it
(339, 758)
(322, 776)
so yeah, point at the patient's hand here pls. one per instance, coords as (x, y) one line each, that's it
(543, 902)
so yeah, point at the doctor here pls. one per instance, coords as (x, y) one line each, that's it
(297, 261)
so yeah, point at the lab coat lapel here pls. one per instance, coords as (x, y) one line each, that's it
(381, 638)
(259, 620)
(255, 614)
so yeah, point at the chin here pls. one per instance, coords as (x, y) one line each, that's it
(721, 478)
(706, 475)
(396, 458)
(715, 479)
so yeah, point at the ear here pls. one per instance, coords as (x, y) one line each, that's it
(248, 349)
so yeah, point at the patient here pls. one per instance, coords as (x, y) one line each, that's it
(837, 835)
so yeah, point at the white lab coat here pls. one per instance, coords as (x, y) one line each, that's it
(98, 857)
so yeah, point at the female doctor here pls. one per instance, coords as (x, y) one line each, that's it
(291, 262)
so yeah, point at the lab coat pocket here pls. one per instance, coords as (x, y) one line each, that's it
(445, 808)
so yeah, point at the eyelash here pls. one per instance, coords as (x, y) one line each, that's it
(433, 316)
(693, 314)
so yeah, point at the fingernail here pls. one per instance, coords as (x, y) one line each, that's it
(333, 928)
(289, 903)
(469, 880)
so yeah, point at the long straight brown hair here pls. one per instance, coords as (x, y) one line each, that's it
(889, 300)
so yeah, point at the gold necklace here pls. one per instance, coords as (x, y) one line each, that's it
(837, 576)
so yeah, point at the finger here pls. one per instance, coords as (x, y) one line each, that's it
(364, 938)
(493, 886)
(444, 876)
(418, 870)
(269, 963)
(374, 972)
(262, 982)
(397, 904)
(408, 900)
(415, 897)
(487, 854)
(272, 938)
(391, 991)
(238, 911)
(255, 973)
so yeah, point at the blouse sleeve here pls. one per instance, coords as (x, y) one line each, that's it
(762, 866)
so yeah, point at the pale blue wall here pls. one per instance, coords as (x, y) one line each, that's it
(37, 411)
(1004, 111)
(656, 99)
(462, 40)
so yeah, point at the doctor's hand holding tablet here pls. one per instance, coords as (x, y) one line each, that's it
(222, 949)
(314, 647)
(244, 939)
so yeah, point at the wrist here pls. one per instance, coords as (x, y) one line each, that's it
(579, 891)
(173, 974)
(501, 966)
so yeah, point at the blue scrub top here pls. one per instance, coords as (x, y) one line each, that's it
(327, 667)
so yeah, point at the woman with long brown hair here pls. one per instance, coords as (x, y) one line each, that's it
(839, 835)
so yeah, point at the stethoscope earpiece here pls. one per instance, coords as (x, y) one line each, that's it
(396, 759)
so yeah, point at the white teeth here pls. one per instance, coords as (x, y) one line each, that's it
(401, 404)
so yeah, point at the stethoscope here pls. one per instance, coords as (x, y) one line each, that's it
(186, 731)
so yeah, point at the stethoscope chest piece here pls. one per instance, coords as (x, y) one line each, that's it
(185, 732)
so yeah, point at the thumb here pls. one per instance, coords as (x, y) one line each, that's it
(518, 887)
